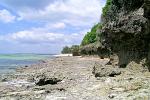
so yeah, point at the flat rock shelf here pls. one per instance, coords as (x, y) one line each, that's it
(71, 78)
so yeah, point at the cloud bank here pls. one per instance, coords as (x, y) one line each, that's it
(60, 22)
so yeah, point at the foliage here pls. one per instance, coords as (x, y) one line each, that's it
(73, 48)
(66, 50)
(90, 37)
(107, 7)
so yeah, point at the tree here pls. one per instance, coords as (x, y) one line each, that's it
(75, 50)
(66, 50)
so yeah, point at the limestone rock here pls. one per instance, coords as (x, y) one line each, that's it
(44, 79)
(126, 30)
(105, 70)
(136, 67)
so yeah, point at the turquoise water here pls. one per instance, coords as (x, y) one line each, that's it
(8, 62)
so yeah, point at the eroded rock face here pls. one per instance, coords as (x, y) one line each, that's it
(90, 49)
(47, 78)
(105, 70)
(126, 30)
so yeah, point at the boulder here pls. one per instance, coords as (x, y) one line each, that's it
(90, 49)
(46, 78)
(137, 67)
(105, 70)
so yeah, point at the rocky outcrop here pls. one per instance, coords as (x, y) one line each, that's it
(90, 49)
(105, 70)
(41, 79)
(126, 30)
(94, 49)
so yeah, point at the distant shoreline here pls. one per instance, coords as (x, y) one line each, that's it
(63, 55)
(9, 62)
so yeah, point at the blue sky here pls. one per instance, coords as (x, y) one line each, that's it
(45, 26)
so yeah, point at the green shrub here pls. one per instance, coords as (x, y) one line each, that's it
(66, 50)
(73, 48)
(107, 7)
(90, 37)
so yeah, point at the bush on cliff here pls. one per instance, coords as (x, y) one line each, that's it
(90, 37)
(107, 7)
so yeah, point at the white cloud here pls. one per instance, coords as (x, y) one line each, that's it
(59, 25)
(31, 37)
(73, 12)
(32, 41)
(49, 26)
(6, 16)
(34, 37)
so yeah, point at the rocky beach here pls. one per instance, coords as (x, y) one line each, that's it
(107, 59)
(76, 78)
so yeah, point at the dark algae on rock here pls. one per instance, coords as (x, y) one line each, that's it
(126, 30)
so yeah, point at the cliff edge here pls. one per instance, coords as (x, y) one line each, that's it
(126, 31)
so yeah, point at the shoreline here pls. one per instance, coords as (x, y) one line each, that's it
(72, 78)
(19, 63)
(63, 55)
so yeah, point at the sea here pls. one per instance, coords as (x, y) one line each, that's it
(9, 62)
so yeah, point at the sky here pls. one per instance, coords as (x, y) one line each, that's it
(45, 26)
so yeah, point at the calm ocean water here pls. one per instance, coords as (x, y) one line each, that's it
(8, 62)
